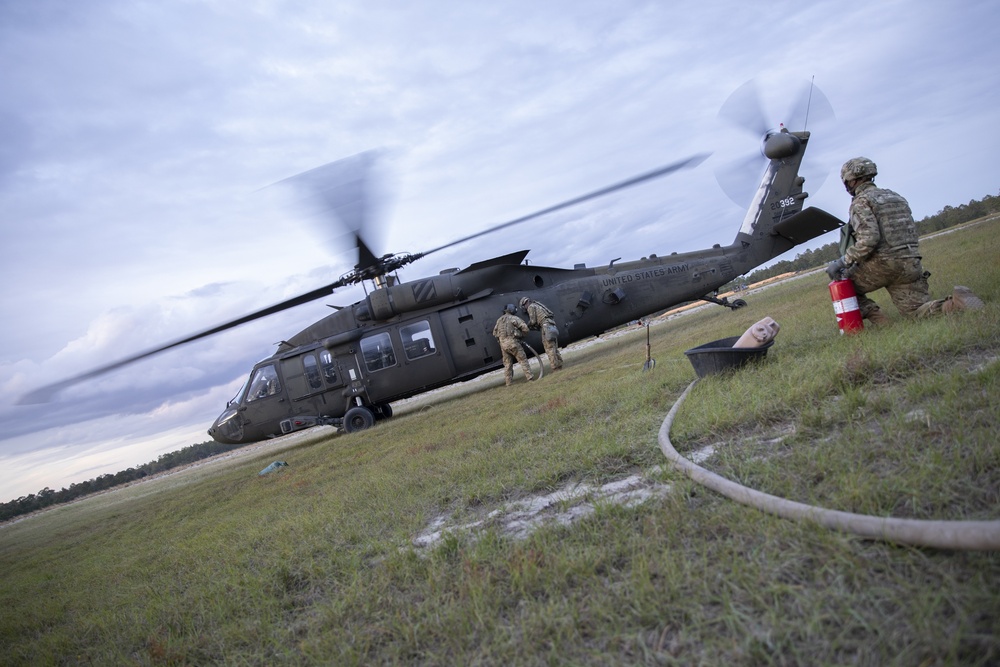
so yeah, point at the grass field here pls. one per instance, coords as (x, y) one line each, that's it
(482, 524)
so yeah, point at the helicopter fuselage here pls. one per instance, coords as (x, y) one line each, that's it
(411, 337)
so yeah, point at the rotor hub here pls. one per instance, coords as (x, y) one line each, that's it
(781, 144)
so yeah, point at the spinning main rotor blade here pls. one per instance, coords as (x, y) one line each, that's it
(692, 161)
(45, 393)
(345, 189)
(345, 195)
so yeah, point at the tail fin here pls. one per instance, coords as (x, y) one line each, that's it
(776, 221)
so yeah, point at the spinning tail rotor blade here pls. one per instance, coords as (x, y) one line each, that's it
(744, 109)
(811, 109)
(736, 177)
(687, 163)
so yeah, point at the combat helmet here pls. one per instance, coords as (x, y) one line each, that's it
(509, 309)
(524, 302)
(858, 168)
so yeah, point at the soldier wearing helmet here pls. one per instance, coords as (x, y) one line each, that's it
(857, 170)
(541, 318)
(879, 248)
(509, 330)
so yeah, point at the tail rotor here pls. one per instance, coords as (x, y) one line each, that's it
(739, 167)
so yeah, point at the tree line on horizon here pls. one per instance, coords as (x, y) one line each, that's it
(169, 461)
(949, 216)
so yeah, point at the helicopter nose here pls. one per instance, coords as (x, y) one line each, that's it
(228, 428)
(216, 434)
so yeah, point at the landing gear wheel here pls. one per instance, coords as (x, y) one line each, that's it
(382, 411)
(358, 418)
(724, 301)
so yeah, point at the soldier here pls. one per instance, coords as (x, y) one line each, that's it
(541, 318)
(878, 247)
(509, 330)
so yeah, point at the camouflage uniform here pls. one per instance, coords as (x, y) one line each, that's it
(508, 330)
(541, 318)
(880, 239)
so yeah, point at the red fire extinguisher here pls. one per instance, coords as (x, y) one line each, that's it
(845, 305)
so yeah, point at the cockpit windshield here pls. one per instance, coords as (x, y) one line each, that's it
(235, 400)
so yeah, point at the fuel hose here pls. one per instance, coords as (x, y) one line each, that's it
(541, 366)
(956, 535)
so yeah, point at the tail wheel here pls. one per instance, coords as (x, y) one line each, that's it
(358, 418)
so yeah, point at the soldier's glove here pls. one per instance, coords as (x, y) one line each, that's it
(837, 269)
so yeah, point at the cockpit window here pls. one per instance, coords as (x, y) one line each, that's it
(264, 383)
(418, 341)
(377, 351)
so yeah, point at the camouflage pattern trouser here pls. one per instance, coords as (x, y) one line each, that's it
(550, 340)
(511, 349)
(903, 279)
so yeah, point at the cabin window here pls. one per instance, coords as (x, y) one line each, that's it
(377, 351)
(418, 341)
(311, 368)
(264, 383)
(329, 370)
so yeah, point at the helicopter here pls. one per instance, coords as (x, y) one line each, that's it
(406, 338)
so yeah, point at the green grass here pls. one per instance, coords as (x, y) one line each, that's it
(316, 564)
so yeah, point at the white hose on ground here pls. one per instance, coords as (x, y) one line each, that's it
(961, 535)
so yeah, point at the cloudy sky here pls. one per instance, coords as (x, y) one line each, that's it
(138, 140)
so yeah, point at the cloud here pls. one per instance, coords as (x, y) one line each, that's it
(137, 141)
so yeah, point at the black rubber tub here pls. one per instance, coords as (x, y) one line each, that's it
(720, 356)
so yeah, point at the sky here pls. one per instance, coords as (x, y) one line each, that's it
(141, 141)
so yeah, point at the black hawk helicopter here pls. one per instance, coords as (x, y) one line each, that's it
(405, 338)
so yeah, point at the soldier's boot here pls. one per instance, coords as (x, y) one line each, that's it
(878, 319)
(962, 298)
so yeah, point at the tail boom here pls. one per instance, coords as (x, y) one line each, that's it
(776, 221)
